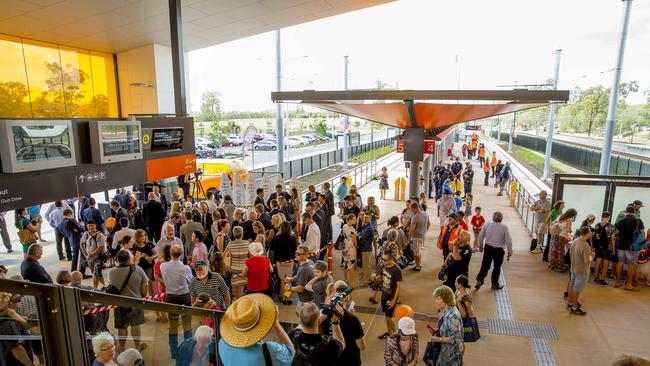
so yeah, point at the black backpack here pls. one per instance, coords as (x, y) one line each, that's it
(307, 359)
(600, 238)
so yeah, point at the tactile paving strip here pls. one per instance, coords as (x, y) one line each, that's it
(542, 352)
(502, 300)
(522, 329)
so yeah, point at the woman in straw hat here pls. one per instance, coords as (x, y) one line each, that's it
(257, 268)
(246, 322)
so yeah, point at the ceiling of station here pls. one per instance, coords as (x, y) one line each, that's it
(119, 25)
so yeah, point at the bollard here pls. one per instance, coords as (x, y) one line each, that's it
(330, 252)
(513, 191)
(397, 188)
(402, 189)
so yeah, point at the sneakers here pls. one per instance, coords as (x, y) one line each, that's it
(577, 311)
(566, 296)
(497, 287)
(478, 285)
(416, 269)
(536, 251)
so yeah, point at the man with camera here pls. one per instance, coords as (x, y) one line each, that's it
(312, 348)
(350, 326)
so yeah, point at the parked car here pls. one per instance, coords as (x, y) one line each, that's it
(333, 134)
(308, 139)
(234, 140)
(258, 137)
(266, 136)
(265, 145)
(294, 141)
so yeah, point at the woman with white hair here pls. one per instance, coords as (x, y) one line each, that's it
(104, 348)
(198, 350)
(257, 268)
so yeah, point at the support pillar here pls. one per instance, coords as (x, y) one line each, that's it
(279, 124)
(414, 179)
(426, 165)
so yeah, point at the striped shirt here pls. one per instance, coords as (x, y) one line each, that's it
(215, 287)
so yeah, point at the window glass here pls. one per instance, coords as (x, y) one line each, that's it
(14, 94)
(626, 195)
(45, 79)
(104, 87)
(77, 82)
(586, 199)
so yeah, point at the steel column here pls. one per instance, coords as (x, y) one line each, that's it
(178, 60)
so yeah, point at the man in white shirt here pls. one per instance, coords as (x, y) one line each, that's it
(312, 240)
(124, 231)
(177, 278)
(174, 219)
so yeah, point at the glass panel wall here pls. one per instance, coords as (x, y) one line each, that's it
(626, 195)
(45, 80)
(585, 199)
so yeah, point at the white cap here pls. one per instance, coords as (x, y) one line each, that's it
(129, 357)
(256, 248)
(406, 325)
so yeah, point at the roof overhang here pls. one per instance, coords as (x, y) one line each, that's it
(398, 108)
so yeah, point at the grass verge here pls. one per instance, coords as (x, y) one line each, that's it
(534, 162)
(372, 154)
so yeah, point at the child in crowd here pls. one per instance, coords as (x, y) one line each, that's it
(468, 204)
(462, 222)
(204, 301)
(459, 201)
(477, 224)
(456, 185)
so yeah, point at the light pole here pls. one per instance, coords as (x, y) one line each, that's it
(512, 131)
(551, 122)
(279, 126)
(613, 96)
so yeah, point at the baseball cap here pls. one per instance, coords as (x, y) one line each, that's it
(452, 215)
(406, 325)
(200, 264)
(130, 357)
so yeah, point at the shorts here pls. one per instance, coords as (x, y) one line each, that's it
(184, 299)
(128, 317)
(627, 256)
(149, 273)
(578, 281)
(97, 267)
(416, 245)
(502, 182)
(384, 307)
(605, 253)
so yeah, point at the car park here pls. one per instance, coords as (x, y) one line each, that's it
(294, 141)
(265, 145)
(333, 134)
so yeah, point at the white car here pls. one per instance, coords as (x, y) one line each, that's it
(294, 141)
(308, 139)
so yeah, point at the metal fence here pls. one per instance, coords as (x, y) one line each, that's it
(308, 164)
(583, 157)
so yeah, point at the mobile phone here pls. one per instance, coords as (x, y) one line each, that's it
(431, 328)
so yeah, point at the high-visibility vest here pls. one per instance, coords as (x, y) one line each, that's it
(486, 167)
(494, 161)
(453, 235)
(481, 152)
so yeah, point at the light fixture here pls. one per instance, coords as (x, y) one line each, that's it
(141, 85)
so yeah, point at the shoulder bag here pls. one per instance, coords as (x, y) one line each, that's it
(639, 242)
(471, 332)
(27, 236)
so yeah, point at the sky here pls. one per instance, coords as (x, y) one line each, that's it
(415, 44)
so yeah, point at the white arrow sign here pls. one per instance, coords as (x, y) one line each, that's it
(82, 178)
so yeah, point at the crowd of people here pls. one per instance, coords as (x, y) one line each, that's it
(244, 261)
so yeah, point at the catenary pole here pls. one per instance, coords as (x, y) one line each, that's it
(346, 119)
(613, 96)
(279, 127)
(551, 122)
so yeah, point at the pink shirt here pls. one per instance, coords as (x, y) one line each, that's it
(200, 253)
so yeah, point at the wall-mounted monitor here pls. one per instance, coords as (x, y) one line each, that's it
(166, 139)
(113, 141)
(28, 145)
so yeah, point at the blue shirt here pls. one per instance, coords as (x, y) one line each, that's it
(341, 192)
(34, 211)
(459, 203)
(281, 354)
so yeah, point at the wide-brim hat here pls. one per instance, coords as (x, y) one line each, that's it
(247, 320)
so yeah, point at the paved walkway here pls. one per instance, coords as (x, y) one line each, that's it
(526, 322)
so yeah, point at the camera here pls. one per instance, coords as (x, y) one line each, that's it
(330, 309)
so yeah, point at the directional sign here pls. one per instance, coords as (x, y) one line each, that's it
(473, 128)
(429, 146)
(400, 145)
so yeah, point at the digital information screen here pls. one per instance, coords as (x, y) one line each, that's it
(41, 143)
(165, 139)
(120, 139)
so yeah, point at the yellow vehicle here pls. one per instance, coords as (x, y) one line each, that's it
(212, 169)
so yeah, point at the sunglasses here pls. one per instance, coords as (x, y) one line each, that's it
(139, 362)
(298, 253)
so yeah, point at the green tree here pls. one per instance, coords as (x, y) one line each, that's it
(13, 100)
(216, 134)
(320, 127)
(210, 107)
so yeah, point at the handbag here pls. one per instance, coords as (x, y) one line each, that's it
(340, 242)
(431, 353)
(443, 274)
(639, 242)
(471, 332)
(227, 258)
(27, 236)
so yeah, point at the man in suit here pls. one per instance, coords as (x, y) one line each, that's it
(311, 195)
(329, 200)
(263, 216)
(154, 216)
(118, 211)
(121, 197)
(276, 195)
(204, 218)
(159, 197)
(248, 225)
(187, 228)
(260, 197)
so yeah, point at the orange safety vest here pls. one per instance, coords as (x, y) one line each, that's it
(481, 152)
(486, 167)
(452, 236)
(494, 161)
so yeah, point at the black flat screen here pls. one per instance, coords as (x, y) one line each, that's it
(164, 139)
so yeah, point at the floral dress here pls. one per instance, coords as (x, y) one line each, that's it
(383, 181)
(451, 326)
(558, 248)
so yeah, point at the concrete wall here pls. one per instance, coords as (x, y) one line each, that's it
(152, 65)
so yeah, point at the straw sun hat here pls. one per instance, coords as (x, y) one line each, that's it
(247, 320)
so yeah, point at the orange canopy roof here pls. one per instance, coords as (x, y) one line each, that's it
(399, 108)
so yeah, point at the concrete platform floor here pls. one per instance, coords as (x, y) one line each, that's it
(617, 321)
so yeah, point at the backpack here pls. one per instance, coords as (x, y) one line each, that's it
(601, 240)
(340, 241)
(303, 359)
